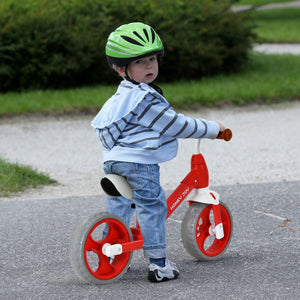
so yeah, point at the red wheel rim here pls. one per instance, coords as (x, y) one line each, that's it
(207, 243)
(96, 262)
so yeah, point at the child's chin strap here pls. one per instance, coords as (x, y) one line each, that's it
(156, 87)
(128, 78)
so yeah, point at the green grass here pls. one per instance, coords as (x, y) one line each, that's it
(259, 2)
(54, 101)
(15, 178)
(278, 25)
(266, 78)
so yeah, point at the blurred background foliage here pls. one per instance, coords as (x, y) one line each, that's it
(55, 44)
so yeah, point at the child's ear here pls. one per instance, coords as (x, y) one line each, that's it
(120, 70)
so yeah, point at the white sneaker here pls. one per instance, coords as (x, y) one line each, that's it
(158, 274)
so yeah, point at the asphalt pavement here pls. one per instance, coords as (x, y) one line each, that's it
(261, 262)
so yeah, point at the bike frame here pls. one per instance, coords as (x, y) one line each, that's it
(197, 180)
(101, 246)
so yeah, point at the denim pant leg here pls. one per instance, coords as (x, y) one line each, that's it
(150, 202)
(118, 205)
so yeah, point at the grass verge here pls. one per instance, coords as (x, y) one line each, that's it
(259, 2)
(265, 79)
(278, 25)
(15, 178)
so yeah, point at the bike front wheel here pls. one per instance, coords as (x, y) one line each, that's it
(86, 255)
(197, 231)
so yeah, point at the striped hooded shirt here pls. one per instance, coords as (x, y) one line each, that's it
(137, 124)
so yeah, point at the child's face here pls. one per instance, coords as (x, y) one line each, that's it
(143, 70)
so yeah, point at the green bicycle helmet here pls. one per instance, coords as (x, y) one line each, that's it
(130, 42)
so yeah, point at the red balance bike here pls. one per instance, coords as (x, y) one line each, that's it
(206, 226)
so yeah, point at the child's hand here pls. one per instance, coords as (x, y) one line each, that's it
(222, 127)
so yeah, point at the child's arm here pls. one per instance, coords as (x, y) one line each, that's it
(161, 117)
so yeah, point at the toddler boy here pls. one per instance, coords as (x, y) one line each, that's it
(138, 130)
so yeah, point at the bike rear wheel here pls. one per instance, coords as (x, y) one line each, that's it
(198, 235)
(87, 241)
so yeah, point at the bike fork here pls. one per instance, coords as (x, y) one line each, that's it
(218, 228)
(207, 196)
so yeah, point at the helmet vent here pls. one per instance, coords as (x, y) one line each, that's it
(130, 40)
(153, 35)
(146, 34)
(139, 36)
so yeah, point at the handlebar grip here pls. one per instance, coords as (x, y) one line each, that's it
(225, 135)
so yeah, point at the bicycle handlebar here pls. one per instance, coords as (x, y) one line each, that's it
(225, 135)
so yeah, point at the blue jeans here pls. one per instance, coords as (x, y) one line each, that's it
(149, 199)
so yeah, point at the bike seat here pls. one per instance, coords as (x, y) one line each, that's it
(116, 185)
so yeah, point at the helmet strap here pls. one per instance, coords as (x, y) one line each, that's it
(157, 88)
(128, 78)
